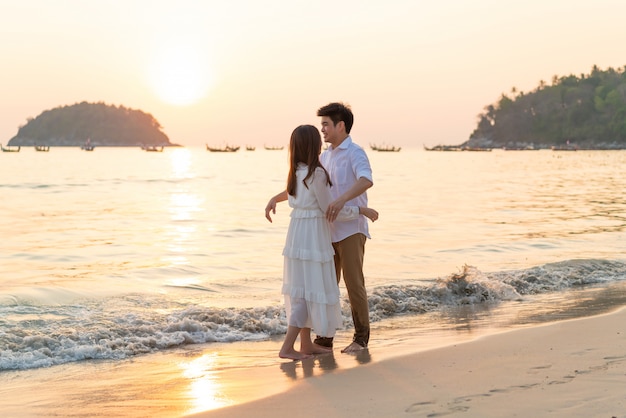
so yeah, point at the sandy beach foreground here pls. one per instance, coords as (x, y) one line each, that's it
(574, 368)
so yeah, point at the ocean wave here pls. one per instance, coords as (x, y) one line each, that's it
(471, 286)
(42, 336)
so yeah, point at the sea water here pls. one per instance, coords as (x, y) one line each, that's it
(120, 253)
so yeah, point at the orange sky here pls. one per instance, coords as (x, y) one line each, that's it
(247, 72)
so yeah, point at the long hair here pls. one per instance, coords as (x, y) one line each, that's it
(304, 147)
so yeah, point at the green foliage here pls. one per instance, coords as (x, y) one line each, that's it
(588, 110)
(100, 123)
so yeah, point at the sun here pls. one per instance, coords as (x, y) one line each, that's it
(180, 73)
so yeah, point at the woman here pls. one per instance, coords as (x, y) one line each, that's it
(309, 279)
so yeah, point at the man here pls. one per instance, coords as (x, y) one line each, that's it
(351, 175)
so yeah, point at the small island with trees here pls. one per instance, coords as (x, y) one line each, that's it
(96, 124)
(574, 112)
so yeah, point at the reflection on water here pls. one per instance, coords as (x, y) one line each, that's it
(320, 364)
(363, 356)
(182, 231)
(181, 163)
(327, 362)
(183, 205)
(309, 367)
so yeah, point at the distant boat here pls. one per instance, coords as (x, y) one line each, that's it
(250, 148)
(227, 148)
(42, 148)
(385, 148)
(87, 146)
(152, 148)
(443, 148)
(10, 149)
(475, 149)
(567, 147)
(273, 148)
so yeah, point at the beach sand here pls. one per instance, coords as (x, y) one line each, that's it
(572, 368)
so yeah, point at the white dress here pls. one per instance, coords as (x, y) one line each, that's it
(309, 278)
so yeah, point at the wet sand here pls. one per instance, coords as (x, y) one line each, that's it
(574, 368)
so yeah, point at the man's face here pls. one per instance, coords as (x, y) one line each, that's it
(329, 130)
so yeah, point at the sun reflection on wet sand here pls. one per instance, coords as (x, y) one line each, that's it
(205, 392)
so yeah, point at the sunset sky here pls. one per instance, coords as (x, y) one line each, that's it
(249, 71)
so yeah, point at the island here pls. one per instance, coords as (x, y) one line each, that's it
(572, 113)
(91, 125)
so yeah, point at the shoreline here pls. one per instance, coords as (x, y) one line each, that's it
(573, 367)
(419, 365)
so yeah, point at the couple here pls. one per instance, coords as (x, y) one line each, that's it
(328, 197)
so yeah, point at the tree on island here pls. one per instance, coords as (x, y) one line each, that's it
(101, 124)
(589, 111)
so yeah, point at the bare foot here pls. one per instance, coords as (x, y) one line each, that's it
(313, 348)
(353, 348)
(294, 355)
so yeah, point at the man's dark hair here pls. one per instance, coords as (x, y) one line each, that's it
(338, 112)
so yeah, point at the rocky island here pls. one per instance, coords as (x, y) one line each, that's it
(97, 124)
